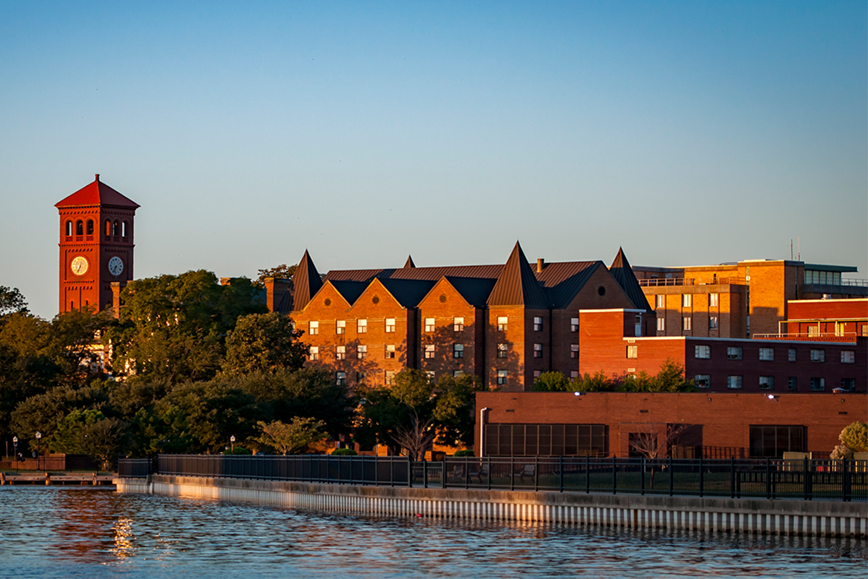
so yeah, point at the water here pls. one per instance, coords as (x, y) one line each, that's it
(79, 532)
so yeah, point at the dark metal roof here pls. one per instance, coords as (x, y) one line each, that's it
(564, 280)
(473, 289)
(408, 292)
(409, 263)
(518, 285)
(97, 193)
(623, 274)
(306, 282)
(350, 290)
(422, 273)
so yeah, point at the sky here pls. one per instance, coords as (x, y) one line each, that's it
(688, 133)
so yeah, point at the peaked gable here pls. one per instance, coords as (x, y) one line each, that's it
(517, 284)
(329, 292)
(305, 282)
(623, 273)
(97, 193)
(409, 263)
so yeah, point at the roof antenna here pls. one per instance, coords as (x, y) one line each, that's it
(791, 250)
(97, 176)
(800, 247)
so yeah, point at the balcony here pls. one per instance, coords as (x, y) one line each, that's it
(682, 281)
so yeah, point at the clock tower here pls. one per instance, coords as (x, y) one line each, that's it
(96, 245)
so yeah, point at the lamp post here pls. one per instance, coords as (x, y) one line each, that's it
(15, 447)
(232, 442)
(38, 461)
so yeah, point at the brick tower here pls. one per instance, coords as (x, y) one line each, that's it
(96, 245)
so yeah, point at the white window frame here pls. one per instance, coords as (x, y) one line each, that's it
(735, 382)
(574, 374)
(632, 352)
(660, 301)
(713, 323)
(457, 324)
(390, 351)
(734, 353)
(713, 300)
(313, 353)
(502, 323)
(767, 382)
(340, 352)
(537, 324)
(313, 328)
(390, 325)
(661, 324)
(429, 351)
(537, 350)
(502, 377)
(341, 327)
(457, 351)
(702, 352)
(574, 325)
(767, 354)
(430, 324)
(340, 378)
(687, 323)
(362, 326)
(848, 356)
(702, 380)
(574, 351)
(686, 300)
(502, 350)
(818, 356)
(362, 351)
(389, 378)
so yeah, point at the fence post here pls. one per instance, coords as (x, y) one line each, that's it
(642, 476)
(588, 473)
(614, 476)
(488, 470)
(536, 473)
(701, 476)
(561, 471)
(805, 467)
(732, 476)
(410, 471)
(670, 476)
(845, 481)
(768, 477)
(424, 473)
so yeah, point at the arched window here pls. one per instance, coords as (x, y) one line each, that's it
(90, 227)
(69, 227)
(79, 227)
(125, 229)
(108, 227)
(115, 228)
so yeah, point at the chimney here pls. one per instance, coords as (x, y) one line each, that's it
(97, 177)
(540, 264)
(275, 289)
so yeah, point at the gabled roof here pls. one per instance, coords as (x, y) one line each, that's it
(305, 282)
(408, 292)
(564, 280)
(474, 290)
(97, 193)
(351, 290)
(517, 284)
(623, 274)
(424, 273)
(409, 263)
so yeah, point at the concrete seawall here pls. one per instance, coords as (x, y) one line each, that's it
(779, 517)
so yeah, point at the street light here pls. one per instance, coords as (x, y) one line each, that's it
(232, 442)
(38, 462)
(15, 446)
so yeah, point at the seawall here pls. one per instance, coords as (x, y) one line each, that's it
(712, 514)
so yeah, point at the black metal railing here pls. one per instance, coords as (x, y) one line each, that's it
(135, 467)
(845, 480)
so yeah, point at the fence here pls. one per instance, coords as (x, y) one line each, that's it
(806, 479)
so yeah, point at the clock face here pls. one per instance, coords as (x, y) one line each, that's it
(115, 266)
(79, 265)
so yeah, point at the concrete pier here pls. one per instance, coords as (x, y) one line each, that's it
(777, 517)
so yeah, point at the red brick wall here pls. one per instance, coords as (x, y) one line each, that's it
(444, 304)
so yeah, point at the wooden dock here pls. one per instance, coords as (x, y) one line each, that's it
(56, 479)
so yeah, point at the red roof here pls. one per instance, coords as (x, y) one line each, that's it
(97, 193)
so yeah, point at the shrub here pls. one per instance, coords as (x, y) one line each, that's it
(344, 452)
(465, 452)
(238, 450)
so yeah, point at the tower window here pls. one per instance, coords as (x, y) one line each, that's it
(124, 229)
(69, 227)
(115, 228)
(108, 227)
(89, 227)
(79, 227)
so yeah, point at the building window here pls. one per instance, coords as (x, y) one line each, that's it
(537, 350)
(430, 375)
(429, 351)
(341, 327)
(429, 324)
(390, 378)
(574, 325)
(362, 326)
(733, 352)
(314, 353)
(767, 382)
(501, 324)
(818, 355)
(685, 300)
(774, 441)
(340, 378)
(390, 351)
(712, 300)
(818, 384)
(532, 440)
(457, 373)
(69, 228)
(848, 357)
(632, 351)
(813, 331)
(458, 324)
(501, 377)
(574, 351)
(791, 355)
(457, 350)
(536, 374)
(362, 351)
(734, 382)
(340, 352)
(712, 322)
(686, 323)
(390, 325)
(702, 352)
(848, 384)
(792, 384)
(661, 324)
(702, 380)
(574, 375)
(660, 301)
(89, 229)
(79, 227)
(767, 354)
(313, 328)
(502, 350)
(361, 377)
(537, 325)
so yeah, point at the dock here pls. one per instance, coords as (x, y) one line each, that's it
(56, 479)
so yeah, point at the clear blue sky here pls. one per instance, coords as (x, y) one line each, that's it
(686, 132)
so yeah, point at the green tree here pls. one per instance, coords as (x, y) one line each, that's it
(282, 271)
(104, 440)
(68, 437)
(263, 342)
(454, 409)
(11, 301)
(293, 438)
(43, 412)
(597, 382)
(855, 436)
(552, 382)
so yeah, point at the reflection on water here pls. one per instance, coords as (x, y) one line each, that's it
(62, 532)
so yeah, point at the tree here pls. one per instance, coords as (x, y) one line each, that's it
(854, 438)
(653, 442)
(104, 440)
(263, 342)
(282, 271)
(454, 409)
(11, 301)
(293, 438)
(43, 412)
(597, 382)
(68, 437)
(552, 382)
(670, 378)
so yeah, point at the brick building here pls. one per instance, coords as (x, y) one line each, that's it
(505, 323)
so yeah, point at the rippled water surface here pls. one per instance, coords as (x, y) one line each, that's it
(67, 532)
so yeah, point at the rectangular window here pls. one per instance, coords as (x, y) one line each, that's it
(767, 382)
(458, 324)
(661, 324)
(848, 357)
(340, 378)
(767, 354)
(574, 325)
(314, 353)
(848, 384)
(429, 351)
(313, 328)
(429, 324)
(362, 326)
(818, 355)
(791, 355)
(390, 351)
(537, 350)
(702, 352)
(430, 375)
(537, 325)
(632, 351)
(712, 323)
(813, 331)
(818, 384)
(501, 324)
(362, 351)
(685, 300)
(733, 353)
(457, 350)
(341, 327)
(390, 325)
(734, 382)
(660, 301)
(536, 374)
(501, 377)
(712, 300)
(686, 323)
(702, 380)
(502, 350)
(774, 441)
(573, 375)
(361, 377)
(457, 373)
(390, 378)
(340, 352)
(574, 351)
(792, 383)
(531, 440)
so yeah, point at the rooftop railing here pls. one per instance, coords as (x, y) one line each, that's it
(682, 281)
